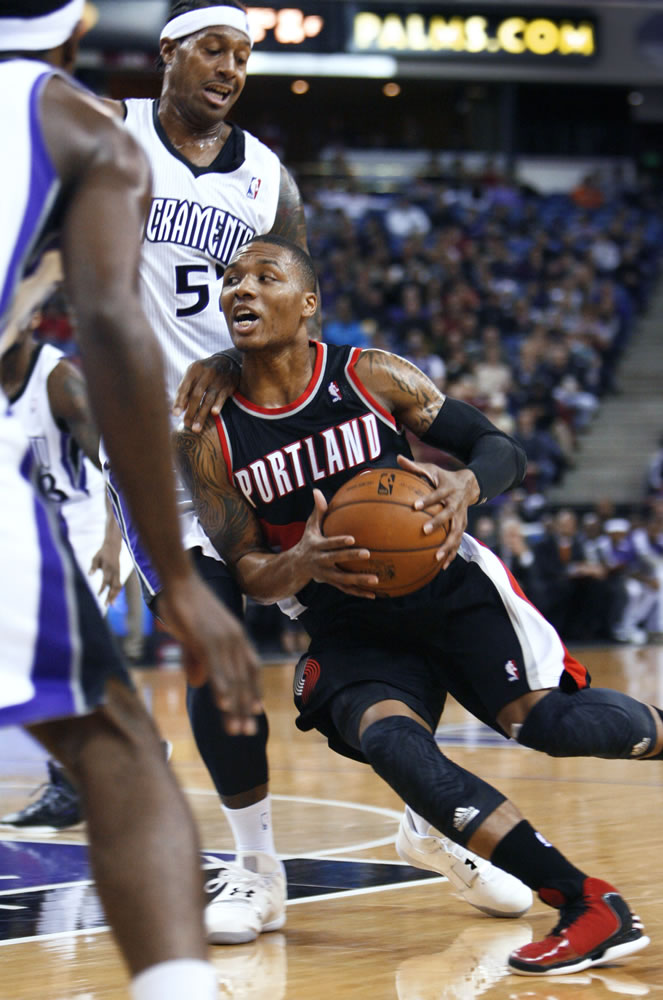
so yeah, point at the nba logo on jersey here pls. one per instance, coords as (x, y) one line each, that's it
(254, 187)
(512, 671)
(334, 392)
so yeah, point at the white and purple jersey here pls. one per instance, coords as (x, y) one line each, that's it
(198, 218)
(29, 180)
(55, 652)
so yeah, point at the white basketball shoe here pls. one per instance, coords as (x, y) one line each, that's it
(481, 884)
(244, 899)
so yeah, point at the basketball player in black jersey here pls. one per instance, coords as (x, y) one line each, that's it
(305, 418)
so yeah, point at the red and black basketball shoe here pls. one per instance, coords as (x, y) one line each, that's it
(593, 929)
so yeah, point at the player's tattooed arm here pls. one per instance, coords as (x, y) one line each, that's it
(402, 389)
(229, 522)
(290, 222)
(233, 528)
(68, 399)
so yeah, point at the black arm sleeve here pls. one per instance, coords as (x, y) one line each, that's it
(497, 461)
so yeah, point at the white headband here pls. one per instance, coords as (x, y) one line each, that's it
(39, 34)
(207, 17)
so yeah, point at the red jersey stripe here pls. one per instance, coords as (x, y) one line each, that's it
(571, 665)
(311, 388)
(225, 445)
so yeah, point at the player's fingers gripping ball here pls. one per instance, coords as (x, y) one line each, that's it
(376, 508)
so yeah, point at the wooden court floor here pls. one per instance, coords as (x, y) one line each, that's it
(360, 924)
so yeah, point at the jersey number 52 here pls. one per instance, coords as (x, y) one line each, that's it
(194, 279)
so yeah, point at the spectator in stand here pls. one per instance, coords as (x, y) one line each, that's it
(404, 219)
(527, 369)
(410, 313)
(597, 551)
(572, 590)
(654, 478)
(516, 554)
(485, 529)
(564, 373)
(648, 543)
(492, 373)
(342, 327)
(417, 350)
(545, 459)
(605, 254)
(640, 581)
(588, 195)
(497, 411)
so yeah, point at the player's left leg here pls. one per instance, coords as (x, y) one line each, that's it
(507, 664)
(595, 925)
(590, 722)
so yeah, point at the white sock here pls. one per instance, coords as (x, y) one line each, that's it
(252, 827)
(180, 979)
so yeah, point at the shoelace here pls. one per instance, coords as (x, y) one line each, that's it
(52, 795)
(237, 876)
(569, 913)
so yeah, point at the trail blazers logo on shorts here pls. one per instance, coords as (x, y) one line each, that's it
(307, 674)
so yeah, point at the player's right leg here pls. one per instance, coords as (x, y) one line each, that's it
(333, 696)
(59, 663)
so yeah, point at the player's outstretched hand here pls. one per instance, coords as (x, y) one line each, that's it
(108, 561)
(205, 388)
(456, 491)
(322, 555)
(216, 649)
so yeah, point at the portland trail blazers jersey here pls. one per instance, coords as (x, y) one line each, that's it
(198, 218)
(276, 457)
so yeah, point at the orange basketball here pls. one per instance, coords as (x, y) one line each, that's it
(375, 507)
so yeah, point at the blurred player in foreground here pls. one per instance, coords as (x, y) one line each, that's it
(60, 675)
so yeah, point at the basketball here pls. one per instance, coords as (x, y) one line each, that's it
(375, 507)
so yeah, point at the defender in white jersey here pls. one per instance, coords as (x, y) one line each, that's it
(47, 393)
(214, 187)
(60, 675)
